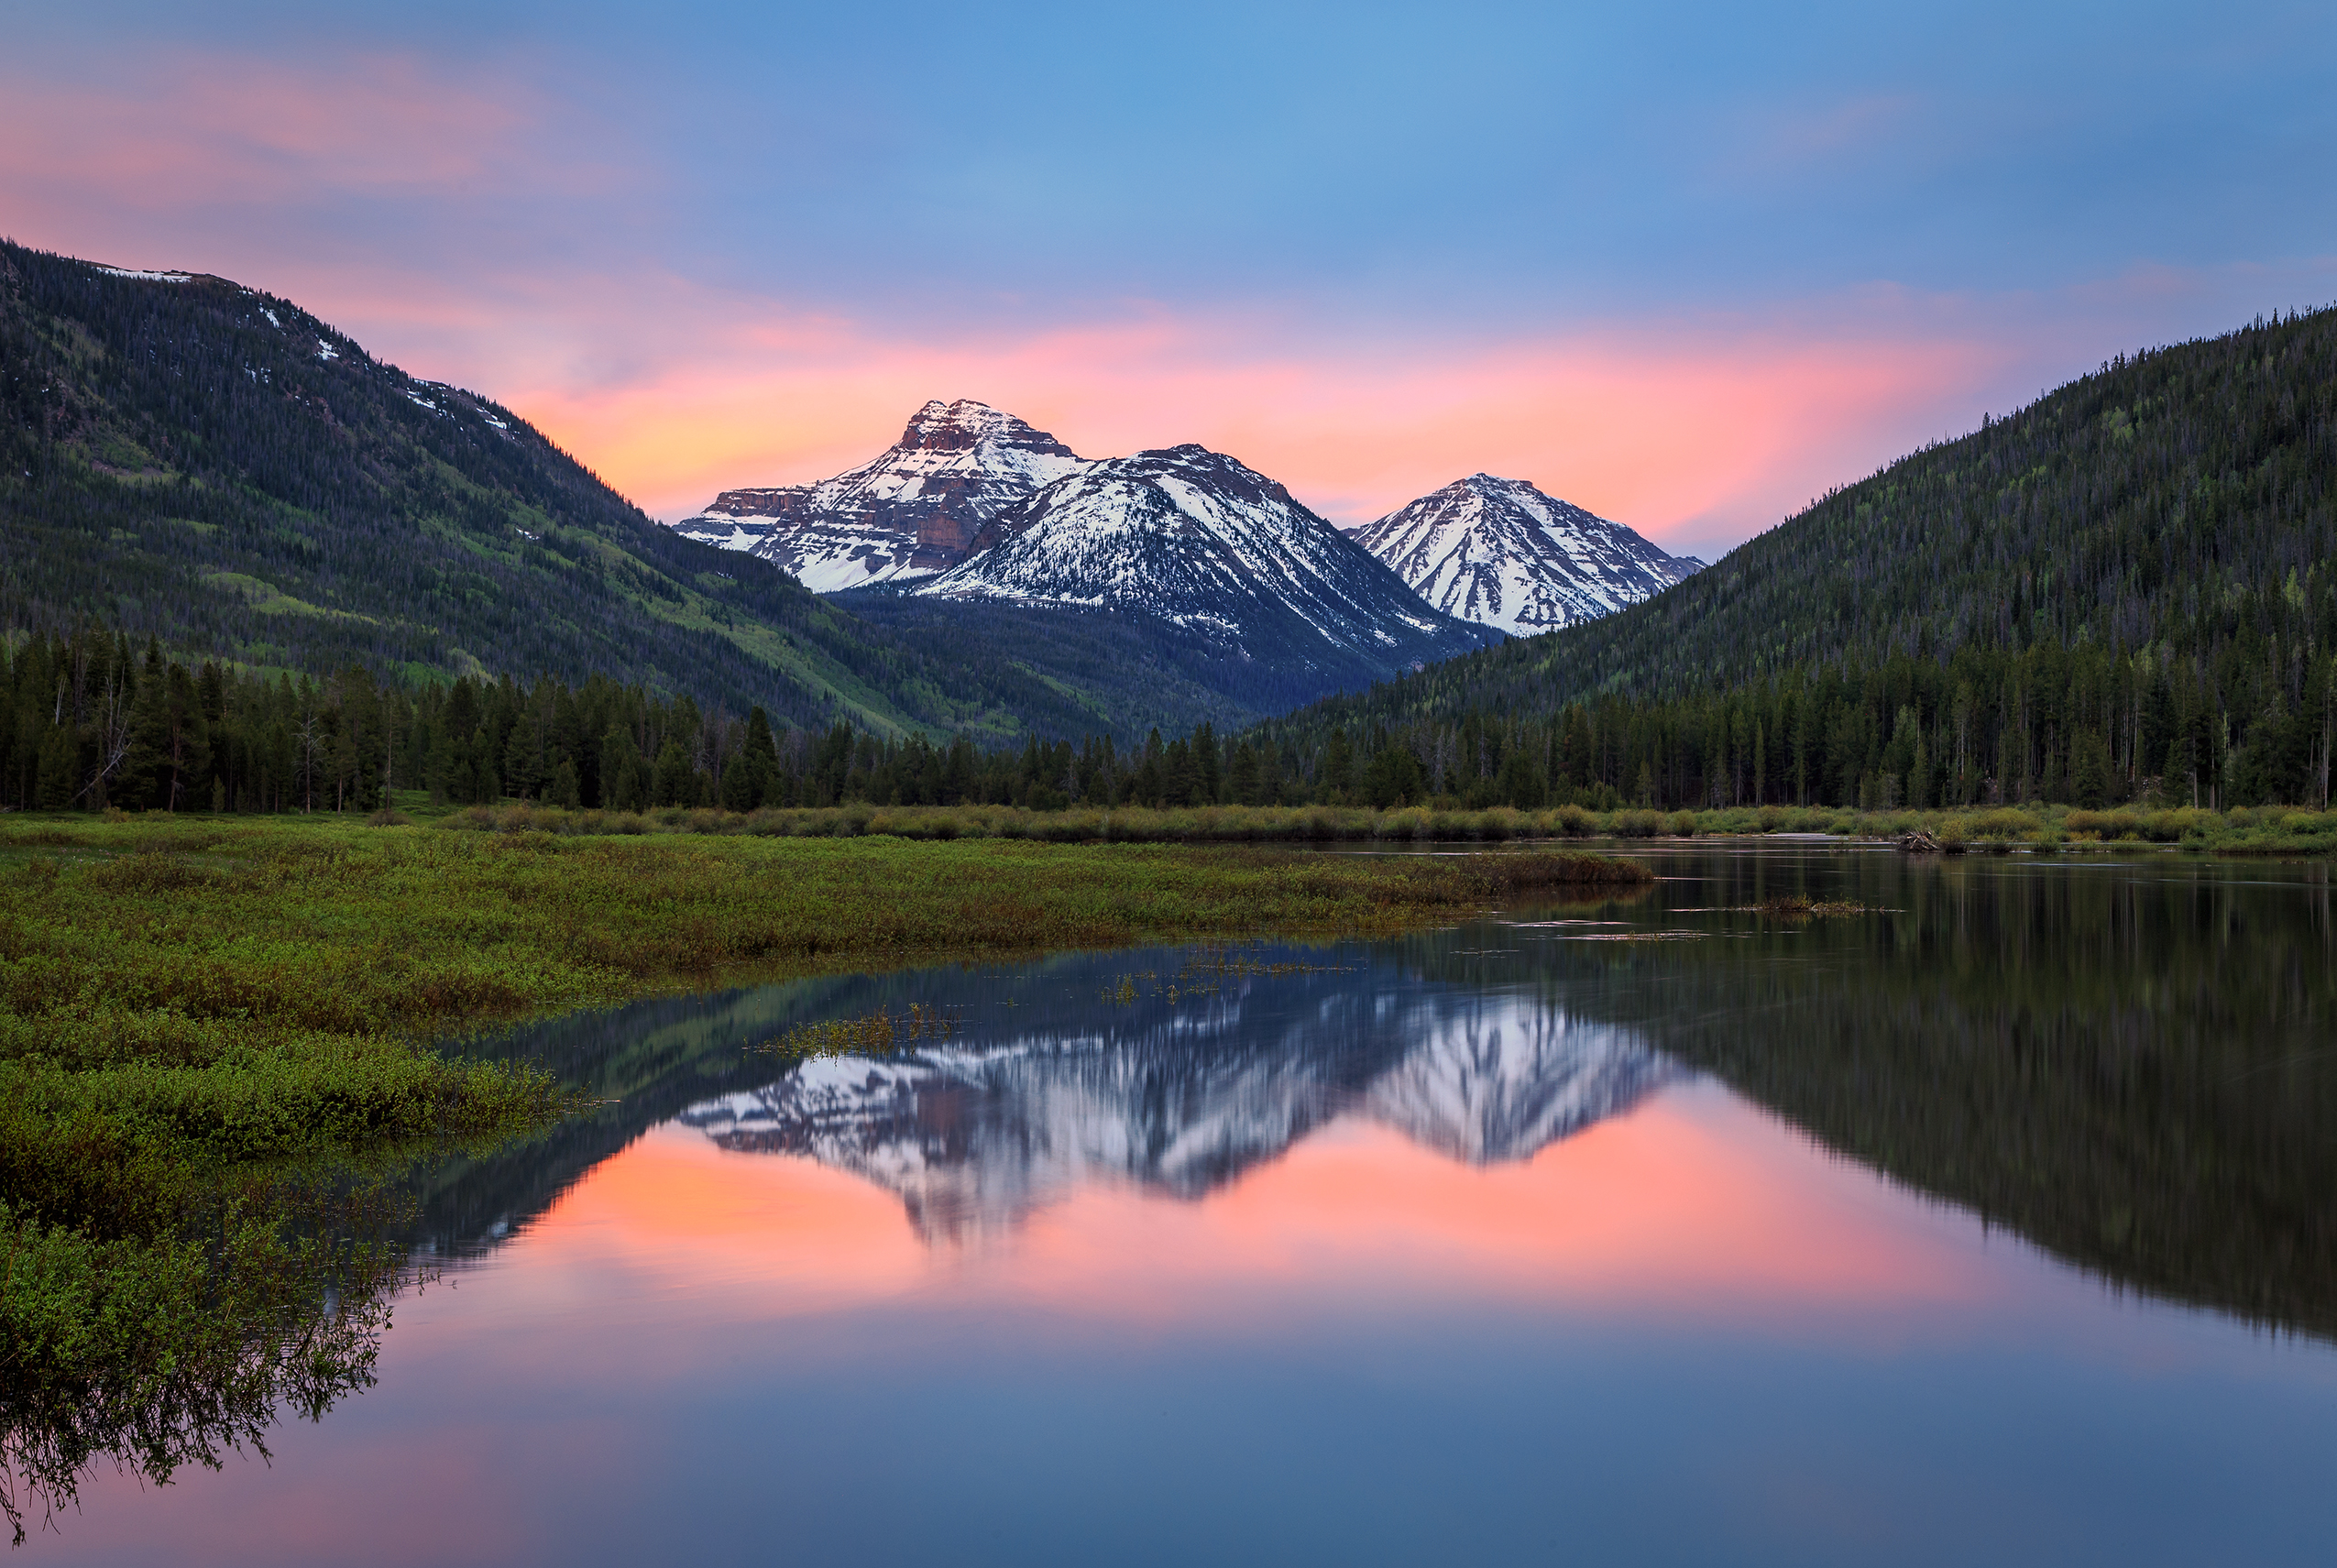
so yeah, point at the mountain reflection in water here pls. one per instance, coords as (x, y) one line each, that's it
(2126, 1062)
(975, 1137)
(1481, 1243)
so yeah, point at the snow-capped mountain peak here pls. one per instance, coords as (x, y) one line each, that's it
(1204, 542)
(910, 513)
(1502, 552)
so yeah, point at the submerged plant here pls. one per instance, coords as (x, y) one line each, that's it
(875, 1034)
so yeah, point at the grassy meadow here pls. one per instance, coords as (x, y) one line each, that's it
(2267, 829)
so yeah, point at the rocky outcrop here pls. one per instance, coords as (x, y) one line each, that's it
(912, 511)
(1204, 542)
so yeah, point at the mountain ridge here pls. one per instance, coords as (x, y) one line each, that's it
(1201, 542)
(2122, 508)
(213, 465)
(1502, 552)
(908, 512)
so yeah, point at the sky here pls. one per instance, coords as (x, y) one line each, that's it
(1686, 265)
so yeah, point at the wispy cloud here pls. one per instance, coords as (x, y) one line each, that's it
(241, 157)
(1801, 135)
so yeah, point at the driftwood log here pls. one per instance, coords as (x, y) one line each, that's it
(1918, 842)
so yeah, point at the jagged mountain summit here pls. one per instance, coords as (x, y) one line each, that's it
(910, 513)
(1500, 552)
(1200, 541)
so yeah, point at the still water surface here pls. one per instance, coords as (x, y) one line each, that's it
(1998, 1227)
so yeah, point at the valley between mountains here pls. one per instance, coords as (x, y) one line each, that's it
(202, 462)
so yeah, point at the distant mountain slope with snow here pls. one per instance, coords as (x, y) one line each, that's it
(1203, 542)
(910, 513)
(1500, 552)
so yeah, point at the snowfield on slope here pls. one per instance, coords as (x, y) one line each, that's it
(1191, 536)
(908, 513)
(1500, 552)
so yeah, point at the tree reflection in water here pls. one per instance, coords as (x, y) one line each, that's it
(273, 1306)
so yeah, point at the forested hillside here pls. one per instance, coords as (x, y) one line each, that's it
(2126, 586)
(186, 458)
(92, 721)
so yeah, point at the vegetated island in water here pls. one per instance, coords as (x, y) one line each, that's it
(206, 1025)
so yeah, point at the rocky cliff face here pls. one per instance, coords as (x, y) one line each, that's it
(910, 513)
(1500, 552)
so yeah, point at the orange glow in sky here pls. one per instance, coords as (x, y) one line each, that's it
(1657, 431)
(479, 217)
(1682, 1207)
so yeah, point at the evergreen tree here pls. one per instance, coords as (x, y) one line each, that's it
(624, 781)
(1338, 765)
(672, 782)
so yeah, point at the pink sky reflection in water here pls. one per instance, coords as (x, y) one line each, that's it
(676, 1268)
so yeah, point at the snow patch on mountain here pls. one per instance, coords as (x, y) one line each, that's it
(1506, 1084)
(1197, 539)
(1500, 552)
(974, 1141)
(908, 513)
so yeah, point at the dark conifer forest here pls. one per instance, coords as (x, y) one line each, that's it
(96, 721)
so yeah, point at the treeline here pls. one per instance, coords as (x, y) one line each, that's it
(95, 722)
(98, 722)
(2083, 727)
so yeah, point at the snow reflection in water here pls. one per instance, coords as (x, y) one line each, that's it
(974, 1140)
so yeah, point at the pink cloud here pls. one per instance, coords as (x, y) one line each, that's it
(290, 176)
(204, 129)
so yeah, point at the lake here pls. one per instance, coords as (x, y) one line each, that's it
(1995, 1224)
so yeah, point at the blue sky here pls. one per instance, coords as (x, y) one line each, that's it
(714, 245)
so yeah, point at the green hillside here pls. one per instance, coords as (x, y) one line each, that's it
(214, 467)
(2127, 585)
